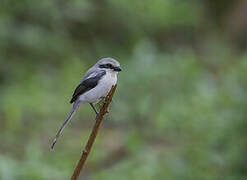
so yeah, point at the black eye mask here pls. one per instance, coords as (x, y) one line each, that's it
(107, 66)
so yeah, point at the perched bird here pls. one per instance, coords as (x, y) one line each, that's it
(93, 87)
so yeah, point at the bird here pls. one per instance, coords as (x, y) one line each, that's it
(93, 87)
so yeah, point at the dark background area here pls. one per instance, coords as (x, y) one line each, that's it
(180, 108)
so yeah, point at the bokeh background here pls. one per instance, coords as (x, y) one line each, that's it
(180, 108)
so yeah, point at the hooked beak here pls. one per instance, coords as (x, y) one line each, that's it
(118, 68)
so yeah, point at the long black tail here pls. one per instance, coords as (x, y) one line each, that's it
(75, 106)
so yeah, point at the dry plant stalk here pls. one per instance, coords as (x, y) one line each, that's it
(99, 119)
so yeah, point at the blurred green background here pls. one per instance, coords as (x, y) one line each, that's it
(180, 108)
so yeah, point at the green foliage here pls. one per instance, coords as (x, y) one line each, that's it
(179, 111)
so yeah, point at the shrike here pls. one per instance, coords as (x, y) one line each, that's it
(94, 86)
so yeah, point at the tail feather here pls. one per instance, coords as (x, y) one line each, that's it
(75, 106)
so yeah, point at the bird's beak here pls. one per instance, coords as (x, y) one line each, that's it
(118, 68)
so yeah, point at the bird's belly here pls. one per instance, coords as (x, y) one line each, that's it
(100, 91)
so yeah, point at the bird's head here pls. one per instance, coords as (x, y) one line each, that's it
(109, 64)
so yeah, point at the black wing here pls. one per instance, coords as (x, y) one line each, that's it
(87, 85)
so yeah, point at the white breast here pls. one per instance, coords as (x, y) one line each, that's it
(101, 90)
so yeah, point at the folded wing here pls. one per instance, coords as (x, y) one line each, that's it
(87, 84)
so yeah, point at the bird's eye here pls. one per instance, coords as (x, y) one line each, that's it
(109, 65)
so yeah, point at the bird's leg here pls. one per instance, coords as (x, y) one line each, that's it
(94, 108)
